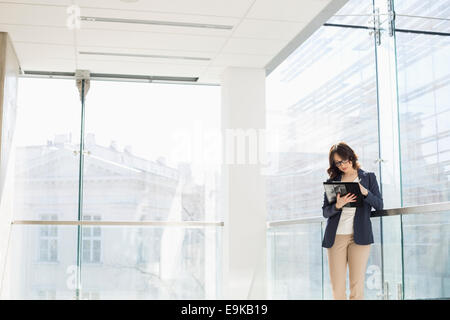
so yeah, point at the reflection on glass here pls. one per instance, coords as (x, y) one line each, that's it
(393, 257)
(31, 274)
(46, 136)
(355, 12)
(323, 93)
(157, 175)
(424, 102)
(426, 242)
(143, 159)
(299, 265)
(423, 15)
(295, 262)
(155, 263)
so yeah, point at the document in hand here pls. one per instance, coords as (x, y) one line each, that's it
(332, 188)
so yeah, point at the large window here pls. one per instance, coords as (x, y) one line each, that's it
(423, 59)
(348, 82)
(46, 135)
(141, 162)
(323, 93)
(92, 241)
(48, 240)
(143, 159)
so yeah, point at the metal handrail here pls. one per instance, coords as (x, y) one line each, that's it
(426, 208)
(120, 223)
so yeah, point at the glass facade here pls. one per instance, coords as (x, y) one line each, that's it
(424, 100)
(133, 262)
(387, 95)
(46, 167)
(426, 255)
(313, 112)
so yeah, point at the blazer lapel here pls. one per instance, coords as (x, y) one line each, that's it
(363, 178)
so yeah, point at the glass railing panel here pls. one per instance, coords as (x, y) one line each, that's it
(295, 261)
(41, 263)
(373, 279)
(151, 262)
(426, 241)
(392, 257)
(117, 262)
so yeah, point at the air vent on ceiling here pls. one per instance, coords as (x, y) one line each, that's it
(156, 22)
(142, 55)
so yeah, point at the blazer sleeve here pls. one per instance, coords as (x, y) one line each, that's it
(328, 210)
(374, 197)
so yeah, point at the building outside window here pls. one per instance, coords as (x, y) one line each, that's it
(48, 240)
(92, 241)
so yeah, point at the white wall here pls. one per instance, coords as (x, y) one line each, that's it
(9, 71)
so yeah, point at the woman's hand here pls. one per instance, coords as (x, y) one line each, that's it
(340, 202)
(363, 190)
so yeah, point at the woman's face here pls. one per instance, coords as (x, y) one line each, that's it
(343, 165)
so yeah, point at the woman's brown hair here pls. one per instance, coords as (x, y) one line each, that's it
(346, 153)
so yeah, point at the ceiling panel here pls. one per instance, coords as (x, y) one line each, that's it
(240, 60)
(254, 46)
(59, 65)
(33, 14)
(261, 30)
(113, 38)
(155, 16)
(211, 75)
(35, 34)
(288, 10)
(268, 29)
(228, 8)
(191, 53)
(86, 25)
(120, 59)
(36, 51)
(42, 2)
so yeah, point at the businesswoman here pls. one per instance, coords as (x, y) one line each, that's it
(348, 234)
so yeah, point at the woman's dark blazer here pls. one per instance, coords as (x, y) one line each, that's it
(362, 226)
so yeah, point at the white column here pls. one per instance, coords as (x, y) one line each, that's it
(243, 185)
(9, 71)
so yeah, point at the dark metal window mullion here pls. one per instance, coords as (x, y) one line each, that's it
(432, 33)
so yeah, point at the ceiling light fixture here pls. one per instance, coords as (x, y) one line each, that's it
(142, 55)
(155, 22)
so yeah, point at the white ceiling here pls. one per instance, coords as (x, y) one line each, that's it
(261, 30)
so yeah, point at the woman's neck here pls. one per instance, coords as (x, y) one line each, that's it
(351, 173)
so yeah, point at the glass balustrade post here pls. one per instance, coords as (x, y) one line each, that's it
(389, 143)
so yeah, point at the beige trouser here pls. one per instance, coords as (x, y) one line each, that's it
(346, 250)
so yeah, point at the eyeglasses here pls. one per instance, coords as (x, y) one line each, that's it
(339, 163)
